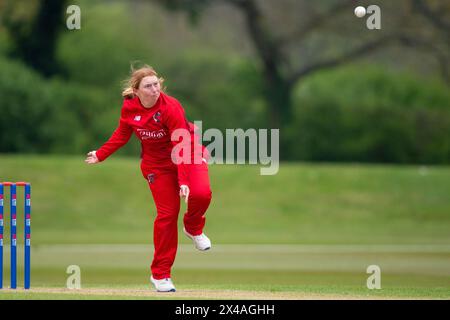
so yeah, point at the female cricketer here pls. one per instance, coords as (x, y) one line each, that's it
(153, 116)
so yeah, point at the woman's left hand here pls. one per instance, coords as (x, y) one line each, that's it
(184, 192)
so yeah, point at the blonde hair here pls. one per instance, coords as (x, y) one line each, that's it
(135, 79)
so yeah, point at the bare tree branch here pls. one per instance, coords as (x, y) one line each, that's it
(315, 22)
(430, 46)
(371, 47)
(433, 17)
(348, 57)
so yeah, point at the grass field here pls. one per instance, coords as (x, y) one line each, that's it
(309, 232)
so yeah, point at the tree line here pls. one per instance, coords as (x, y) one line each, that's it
(330, 105)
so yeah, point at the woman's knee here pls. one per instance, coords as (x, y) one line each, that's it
(166, 218)
(201, 195)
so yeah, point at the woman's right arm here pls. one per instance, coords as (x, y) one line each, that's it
(118, 139)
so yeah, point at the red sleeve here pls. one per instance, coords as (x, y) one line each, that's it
(118, 139)
(176, 119)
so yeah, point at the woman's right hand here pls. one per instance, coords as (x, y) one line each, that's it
(91, 157)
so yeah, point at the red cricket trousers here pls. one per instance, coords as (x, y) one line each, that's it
(165, 190)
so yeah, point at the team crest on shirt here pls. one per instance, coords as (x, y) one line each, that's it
(145, 134)
(137, 118)
(157, 116)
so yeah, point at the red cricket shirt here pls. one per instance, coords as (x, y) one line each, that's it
(153, 127)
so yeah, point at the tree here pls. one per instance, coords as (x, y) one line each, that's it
(324, 34)
(33, 28)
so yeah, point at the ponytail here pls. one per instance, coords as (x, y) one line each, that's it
(128, 93)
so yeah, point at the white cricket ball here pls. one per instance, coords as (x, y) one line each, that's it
(360, 12)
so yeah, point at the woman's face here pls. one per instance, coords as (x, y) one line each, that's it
(148, 91)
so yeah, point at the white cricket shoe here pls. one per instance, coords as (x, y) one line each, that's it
(163, 285)
(201, 241)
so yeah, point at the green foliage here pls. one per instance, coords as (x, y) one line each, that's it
(370, 115)
(222, 92)
(25, 108)
(348, 114)
(33, 28)
(4, 42)
(100, 53)
(41, 116)
(194, 8)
